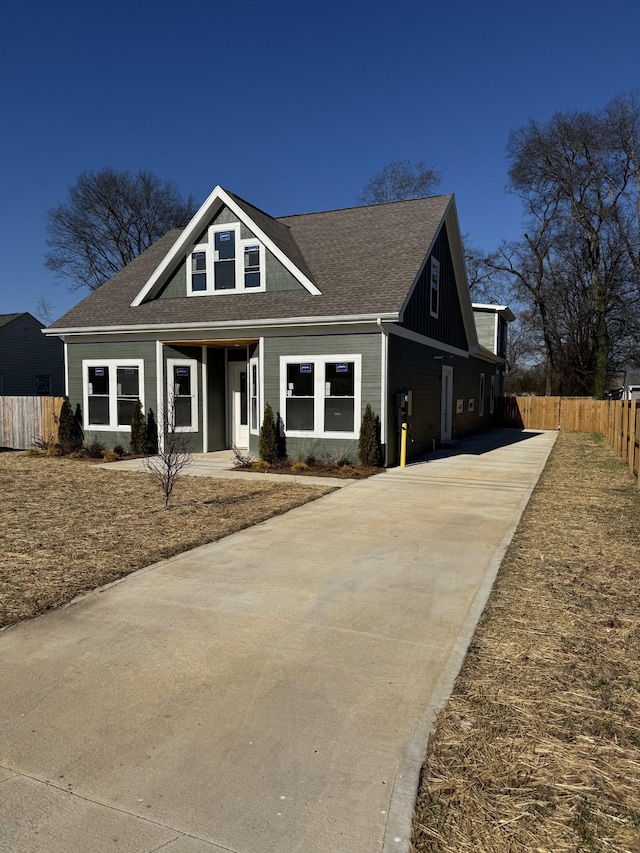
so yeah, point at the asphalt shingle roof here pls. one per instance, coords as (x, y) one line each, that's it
(363, 260)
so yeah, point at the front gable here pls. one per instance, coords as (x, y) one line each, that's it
(438, 306)
(267, 274)
(227, 248)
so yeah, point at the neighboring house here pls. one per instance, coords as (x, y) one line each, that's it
(30, 364)
(626, 387)
(316, 314)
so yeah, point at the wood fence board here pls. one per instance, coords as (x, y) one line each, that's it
(24, 419)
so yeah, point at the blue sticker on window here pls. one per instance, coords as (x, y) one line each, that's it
(129, 370)
(342, 367)
(99, 371)
(182, 371)
(224, 235)
(305, 368)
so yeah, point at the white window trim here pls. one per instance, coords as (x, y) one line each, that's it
(209, 249)
(492, 395)
(434, 268)
(319, 361)
(113, 364)
(481, 396)
(254, 428)
(193, 364)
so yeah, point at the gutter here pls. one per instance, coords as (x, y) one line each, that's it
(347, 319)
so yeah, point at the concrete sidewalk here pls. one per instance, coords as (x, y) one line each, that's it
(269, 693)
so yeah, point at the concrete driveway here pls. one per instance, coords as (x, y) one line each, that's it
(269, 693)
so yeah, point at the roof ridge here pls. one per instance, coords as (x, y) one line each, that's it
(362, 206)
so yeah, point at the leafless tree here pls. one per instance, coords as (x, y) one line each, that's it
(173, 455)
(109, 219)
(398, 181)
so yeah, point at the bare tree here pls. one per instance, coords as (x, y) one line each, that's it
(109, 219)
(399, 181)
(45, 311)
(173, 455)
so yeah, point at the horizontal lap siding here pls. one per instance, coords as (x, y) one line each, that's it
(367, 345)
(80, 350)
(466, 386)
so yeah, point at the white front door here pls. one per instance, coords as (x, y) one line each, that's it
(446, 403)
(238, 404)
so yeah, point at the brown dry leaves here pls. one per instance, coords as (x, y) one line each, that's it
(67, 526)
(538, 748)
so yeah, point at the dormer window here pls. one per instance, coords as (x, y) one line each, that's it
(225, 263)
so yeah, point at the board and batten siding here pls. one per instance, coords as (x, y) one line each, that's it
(367, 345)
(448, 326)
(78, 351)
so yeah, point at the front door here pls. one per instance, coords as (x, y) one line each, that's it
(238, 404)
(446, 403)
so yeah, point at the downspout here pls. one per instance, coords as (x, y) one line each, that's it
(384, 380)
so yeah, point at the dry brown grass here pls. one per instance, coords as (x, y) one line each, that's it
(538, 749)
(69, 526)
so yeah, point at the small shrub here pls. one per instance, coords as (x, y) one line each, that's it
(137, 442)
(343, 459)
(240, 459)
(110, 456)
(69, 428)
(369, 447)
(298, 466)
(119, 450)
(77, 454)
(52, 451)
(33, 451)
(95, 449)
(151, 435)
(261, 465)
(347, 470)
(43, 444)
(268, 444)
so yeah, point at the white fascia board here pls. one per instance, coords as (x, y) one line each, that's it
(186, 240)
(232, 325)
(506, 312)
(401, 332)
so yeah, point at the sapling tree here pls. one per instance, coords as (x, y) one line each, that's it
(173, 456)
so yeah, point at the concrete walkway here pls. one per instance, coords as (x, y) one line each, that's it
(269, 693)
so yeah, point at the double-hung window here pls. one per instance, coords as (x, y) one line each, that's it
(111, 388)
(226, 263)
(320, 395)
(182, 394)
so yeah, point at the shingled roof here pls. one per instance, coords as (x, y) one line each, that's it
(364, 261)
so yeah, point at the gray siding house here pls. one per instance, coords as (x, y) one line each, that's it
(30, 364)
(316, 314)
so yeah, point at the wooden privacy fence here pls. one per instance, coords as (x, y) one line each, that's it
(23, 419)
(617, 420)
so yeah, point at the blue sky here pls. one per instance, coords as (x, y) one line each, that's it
(293, 106)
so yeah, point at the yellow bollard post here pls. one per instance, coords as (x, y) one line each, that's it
(403, 446)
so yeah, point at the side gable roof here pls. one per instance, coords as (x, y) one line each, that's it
(360, 262)
(5, 319)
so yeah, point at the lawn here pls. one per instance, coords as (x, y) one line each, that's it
(69, 526)
(538, 748)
